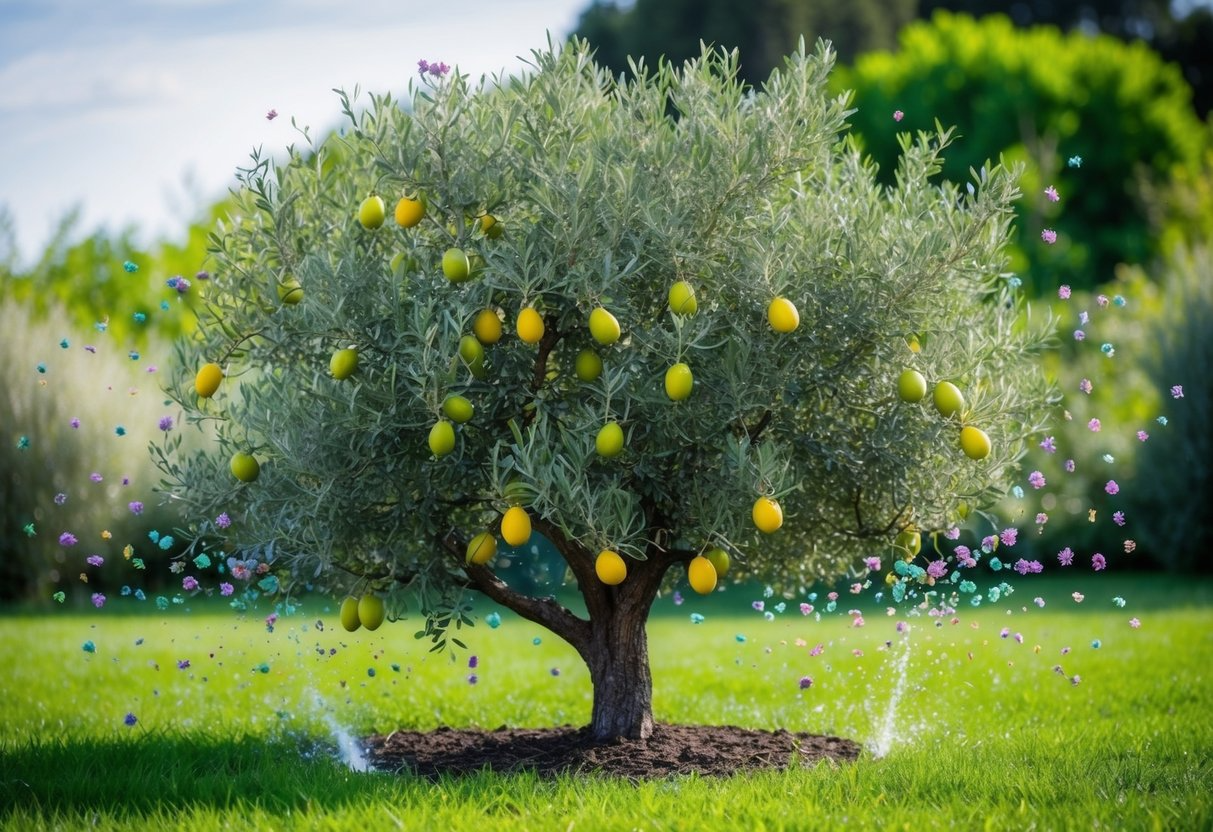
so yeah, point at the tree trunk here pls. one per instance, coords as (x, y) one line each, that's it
(618, 658)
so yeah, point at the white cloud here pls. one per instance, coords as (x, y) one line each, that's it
(116, 123)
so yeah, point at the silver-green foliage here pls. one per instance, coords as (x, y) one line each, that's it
(607, 193)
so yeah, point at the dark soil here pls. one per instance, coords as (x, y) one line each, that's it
(673, 749)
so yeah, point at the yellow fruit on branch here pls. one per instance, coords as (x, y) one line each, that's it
(610, 568)
(245, 467)
(349, 614)
(609, 441)
(490, 227)
(975, 442)
(783, 315)
(948, 399)
(207, 380)
(372, 212)
(604, 326)
(371, 611)
(679, 382)
(767, 515)
(487, 326)
(682, 299)
(911, 386)
(343, 363)
(701, 574)
(516, 526)
(409, 212)
(482, 548)
(529, 325)
(442, 438)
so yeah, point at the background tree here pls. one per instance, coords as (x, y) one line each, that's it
(1043, 98)
(436, 369)
(763, 31)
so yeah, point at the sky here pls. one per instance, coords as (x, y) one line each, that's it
(139, 111)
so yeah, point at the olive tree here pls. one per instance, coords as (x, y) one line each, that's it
(659, 318)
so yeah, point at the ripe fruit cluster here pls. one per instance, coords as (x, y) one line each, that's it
(950, 402)
(367, 611)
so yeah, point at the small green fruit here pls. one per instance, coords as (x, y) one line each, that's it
(911, 386)
(442, 438)
(455, 265)
(458, 409)
(609, 441)
(245, 467)
(349, 614)
(343, 363)
(372, 212)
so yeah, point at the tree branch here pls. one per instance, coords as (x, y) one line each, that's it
(547, 612)
(581, 562)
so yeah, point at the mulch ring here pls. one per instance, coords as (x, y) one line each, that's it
(710, 750)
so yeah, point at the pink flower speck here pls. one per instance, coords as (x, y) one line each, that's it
(1063, 292)
(1049, 236)
(1112, 487)
(1094, 425)
(898, 115)
(1052, 194)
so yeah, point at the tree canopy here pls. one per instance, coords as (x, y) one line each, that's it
(652, 315)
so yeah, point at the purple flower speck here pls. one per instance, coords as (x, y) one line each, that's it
(1118, 517)
(1048, 445)
(189, 583)
(1085, 386)
(67, 539)
(98, 600)
(223, 521)
(135, 507)
(1041, 518)
(1036, 479)
(898, 115)
(872, 563)
(1111, 487)
(95, 560)
(952, 533)
(60, 498)
(1009, 536)
(806, 682)
(226, 589)
(1142, 436)
(937, 569)
(166, 423)
(130, 720)
(1070, 466)
(473, 678)
(95, 477)
(473, 661)
(183, 664)
(75, 423)
(270, 116)
(1063, 292)
(1094, 426)
(1134, 623)
(1079, 335)
(1177, 391)
(1066, 556)
(1051, 194)
(1083, 317)
(1098, 562)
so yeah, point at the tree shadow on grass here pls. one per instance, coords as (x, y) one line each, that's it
(151, 773)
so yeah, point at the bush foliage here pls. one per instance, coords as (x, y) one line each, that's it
(1040, 97)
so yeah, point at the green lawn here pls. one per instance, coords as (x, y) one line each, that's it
(983, 734)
